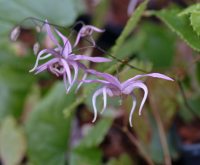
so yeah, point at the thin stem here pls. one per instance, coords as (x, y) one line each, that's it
(136, 142)
(192, 111)
(119, 60)
(161, 132)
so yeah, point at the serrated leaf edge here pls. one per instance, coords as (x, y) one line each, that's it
(178, 33)
(193, 27)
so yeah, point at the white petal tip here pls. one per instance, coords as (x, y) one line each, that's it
(130, 123)
(94, 119)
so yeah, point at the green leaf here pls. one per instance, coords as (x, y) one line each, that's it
(190, 9)
(15, 81)
(156, 151)
(87, 148)
(195, 21)
(131, 24)
(194, 103)
(47, 129)
(120, 48)
(131, 46)
(96, 135)
(61, 12)
(87, 156)
(122, 160)
(180, 25)
(100, 13)
(12, 142)
(158, 46)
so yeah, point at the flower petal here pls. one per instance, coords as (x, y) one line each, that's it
(67, 48)
(96, 81)
(97, 93)
(142, 86)
(54, 70)
(45, 65)
(104, 99)
(132, 110)
(154, 75)
(44, 51)
(93, 59)
(86, 31)
(82, 66)
(110, 78)
(75, 66)
(37, 59)
(65, 81)
(50, 34)
(67, 69)
(77, 39)
(128, 90)
(91, 28)
(81, 83)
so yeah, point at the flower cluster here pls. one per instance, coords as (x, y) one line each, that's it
(61, 61)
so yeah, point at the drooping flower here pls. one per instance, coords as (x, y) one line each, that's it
(131, 6)
(87, 30)
(111, 86)
(62, 60)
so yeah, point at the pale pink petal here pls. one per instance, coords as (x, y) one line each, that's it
(95, 95)
(38, 58)
(93, 28)
(96, 81)
(86, 30)
(80, 84)
(154, 75)
(75, 66)
(67, 69)
(106, 76)
(53, 70)
(67, 46)
(77, 39)
(65, 81)
(142, 86)
(132, 110)
(104, 99)
(93, 59)
(128, 90)
(50, 34)
(45, 65)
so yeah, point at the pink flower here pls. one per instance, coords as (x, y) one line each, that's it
(111, 86)
(62, 60)
(87, 30)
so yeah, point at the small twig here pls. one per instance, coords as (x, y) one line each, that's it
(119, 60)
(161, 132)
(135, 142)
(187, 105)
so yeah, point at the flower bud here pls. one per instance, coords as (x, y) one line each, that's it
(15, 33)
